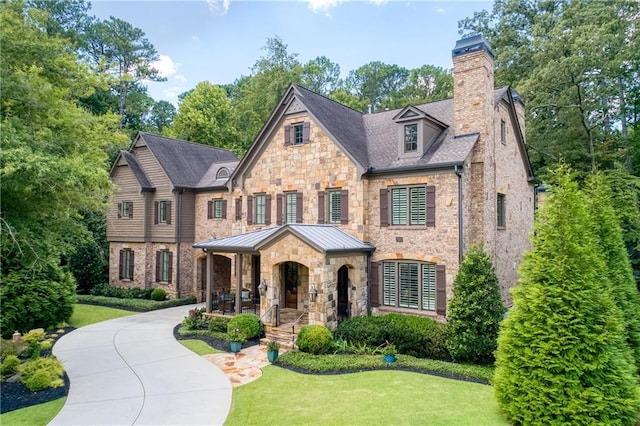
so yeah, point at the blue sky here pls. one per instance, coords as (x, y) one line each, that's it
(219, 40)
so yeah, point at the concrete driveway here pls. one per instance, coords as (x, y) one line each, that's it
(131, 370)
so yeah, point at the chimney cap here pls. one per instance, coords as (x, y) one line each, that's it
(471, 44)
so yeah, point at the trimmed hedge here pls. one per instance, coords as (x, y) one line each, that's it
(315, 339)
(248, 324)
(138, 305)
(108, 290)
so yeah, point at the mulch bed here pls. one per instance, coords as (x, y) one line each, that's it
(16, 395)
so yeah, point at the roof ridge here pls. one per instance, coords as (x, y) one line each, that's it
(297, 86)
(199, 144)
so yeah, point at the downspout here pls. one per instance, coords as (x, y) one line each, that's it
(369, 283)
(458, 172)
(178, 241)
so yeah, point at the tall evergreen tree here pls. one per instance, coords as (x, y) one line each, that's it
(475, 311)
(562, 356)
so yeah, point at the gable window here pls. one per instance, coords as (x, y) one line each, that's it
(501, 212)
(164, 266)
(217, 209)
(125, 269)
(125, 209)
(297, 134)
(408, 206)
(162, 212)
(410, 138)
(409, 285)
(223, 173)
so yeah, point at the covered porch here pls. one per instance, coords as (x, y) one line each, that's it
(319, 272)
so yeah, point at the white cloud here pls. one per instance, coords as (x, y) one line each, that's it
(439, 9)
(322, 5)
(378, 2)
(171, 93)
(217, 6)
(181, 78)
(166, 66)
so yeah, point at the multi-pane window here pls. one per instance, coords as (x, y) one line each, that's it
(410, 138)
(260, 218)
(298, 134)
(125, 209)
(217, 209)
(126, 264)
(501, 212)
(335, 208)
(162, 212)
(408, 206)
(409, 285)
(164, 265)
(290, 207)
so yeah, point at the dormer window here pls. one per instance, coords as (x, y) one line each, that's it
(410, 138)
(223, 173)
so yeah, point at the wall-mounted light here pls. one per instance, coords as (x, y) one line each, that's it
(262, 288)
(313, 293)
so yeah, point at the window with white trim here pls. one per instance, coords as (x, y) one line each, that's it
(290, 207)
(260, 218)
(164, 260)
(408, 206)
(410, 138)
(125, 209)
(162, 212)
(335, 208)
(126, 264)
(409, 285)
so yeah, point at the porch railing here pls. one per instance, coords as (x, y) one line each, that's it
(271, 308)
(293, 327)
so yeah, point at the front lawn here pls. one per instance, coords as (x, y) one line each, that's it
(369, 398)
(90, 314)
(36, 415)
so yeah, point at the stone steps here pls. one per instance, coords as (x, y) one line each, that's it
(286, 333)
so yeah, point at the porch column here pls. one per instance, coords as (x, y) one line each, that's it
(209, 279)
(238, 283)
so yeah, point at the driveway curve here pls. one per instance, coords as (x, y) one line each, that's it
(132, 371)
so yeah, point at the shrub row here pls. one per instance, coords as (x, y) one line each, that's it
(416, 336)
(139, 305)
(107, 290)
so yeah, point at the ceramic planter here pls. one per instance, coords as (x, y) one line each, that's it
(272, 355)
(389, 358)
(235, 347)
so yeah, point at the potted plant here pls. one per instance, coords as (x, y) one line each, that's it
(273, 348)
(389, 353)
(236, 339)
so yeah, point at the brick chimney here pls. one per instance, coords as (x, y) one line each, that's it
(473, 63)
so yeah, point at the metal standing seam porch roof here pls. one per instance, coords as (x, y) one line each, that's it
(327, 239)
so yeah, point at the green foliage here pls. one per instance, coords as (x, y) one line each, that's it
(89, 259)
(562, 356)
(34, 336)
(219, 324)
(42, 373)
(9, 365)
(421, 337)
(362, 330)
(475, 312)
(315, 339)
(185, 332)
(11, 347)
(237, 336)
(248, 324)
(195, 320)
(273, 345)
(36, 298)
(136, 304)
(108, 290)
(158, 295)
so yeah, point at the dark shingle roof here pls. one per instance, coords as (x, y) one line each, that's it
(185, 163)
(143, 180)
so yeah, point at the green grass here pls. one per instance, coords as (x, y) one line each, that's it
(284, 397)
(35, 415)
(198, 346)
(90, 314)
(139, 305)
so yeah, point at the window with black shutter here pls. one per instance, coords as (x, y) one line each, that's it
(408, 206)
(413, 285)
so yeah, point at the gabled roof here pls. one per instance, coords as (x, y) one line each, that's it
(327, 239)
(185, 163)
(143, 180)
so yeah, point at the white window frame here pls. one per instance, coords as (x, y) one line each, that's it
(409, 285)
(290, 207)
(408, 206)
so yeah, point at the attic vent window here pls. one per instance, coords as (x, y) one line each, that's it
(410, 138)
(223, 173)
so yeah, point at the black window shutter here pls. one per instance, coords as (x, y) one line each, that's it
(170, 267)
(168, 204)
(209, 209)
(306, 130)
(374, 290)
(384, 207)
(130, 209)
(299, 207)
(156, 212)
(158, 266)
(344, 206)
(121, 265)
(441, 290)
(224, 209)
(131, 264)
(119, 210)
(279, 209)
(267, 209)
(239, 208)
(321, 207)
(431, 205)
(249, 210)
(287, 135)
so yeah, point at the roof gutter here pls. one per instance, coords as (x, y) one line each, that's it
(416, 167)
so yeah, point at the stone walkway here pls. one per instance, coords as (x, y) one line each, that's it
(243, 367)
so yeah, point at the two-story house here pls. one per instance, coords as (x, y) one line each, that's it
(340, 213)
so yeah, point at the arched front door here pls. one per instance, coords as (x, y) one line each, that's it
(343, 293)
(290, 283)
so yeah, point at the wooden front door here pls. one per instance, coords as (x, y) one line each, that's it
(290, 284)
(343, 293)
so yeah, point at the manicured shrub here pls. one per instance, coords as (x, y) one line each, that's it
(139, 305)
(247, 324)
(138, 293)
(107, 290)
(476, 310)
(562, 356)
(9, 365)
(219, 324)
(195, 320)
(367, 330)
(421, 337)
(41, 373)
(33, 298)
(34, 336)
(158, 295)
(315, 339)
